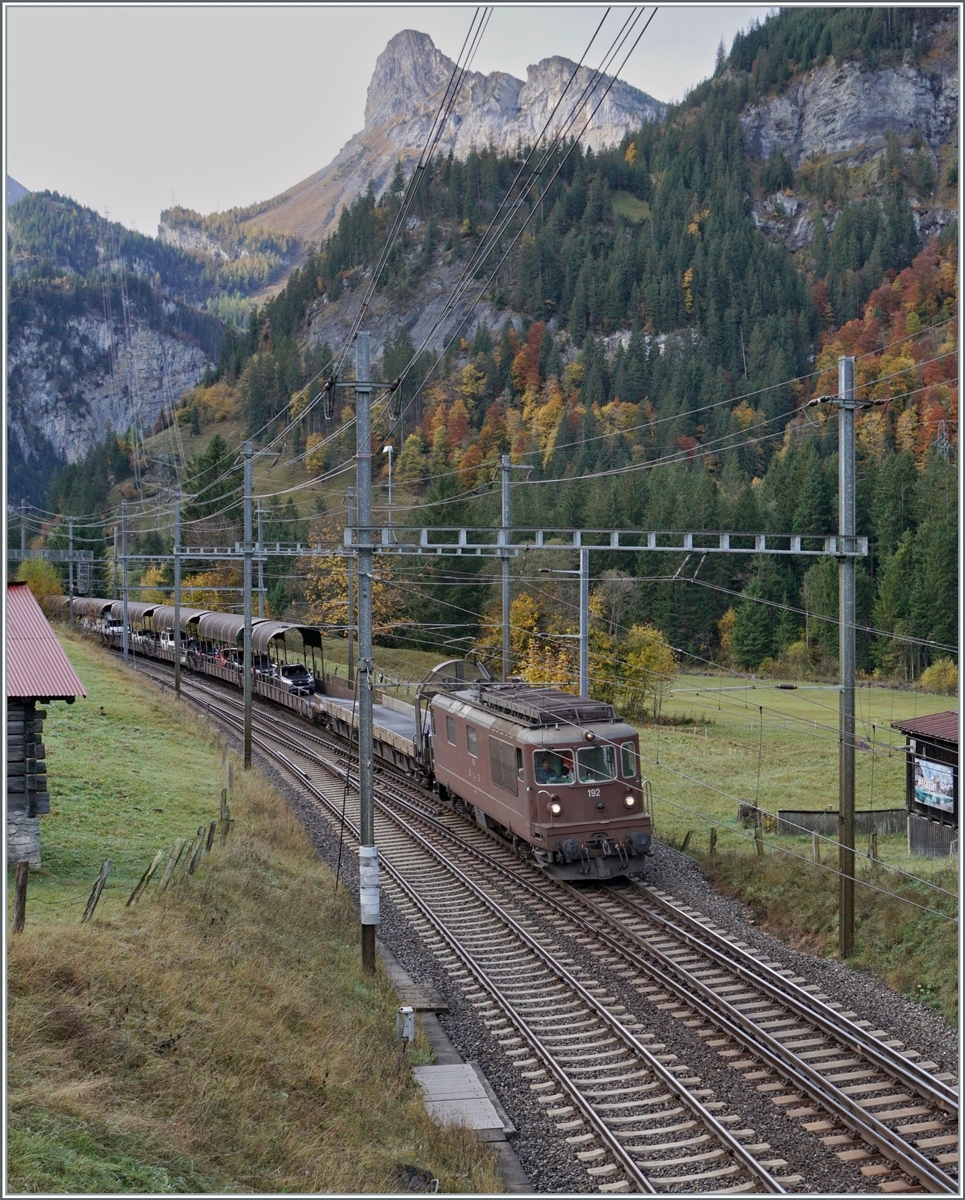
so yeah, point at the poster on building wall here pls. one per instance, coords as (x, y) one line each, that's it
(935, 785)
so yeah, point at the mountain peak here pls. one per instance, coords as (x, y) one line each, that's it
(407, 72)
(411, 77)
(404, 95)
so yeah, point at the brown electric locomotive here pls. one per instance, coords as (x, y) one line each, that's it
(550, 771)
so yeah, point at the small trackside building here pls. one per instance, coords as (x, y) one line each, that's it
(37, 672)
(931, 783)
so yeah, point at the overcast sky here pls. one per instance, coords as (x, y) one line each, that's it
(127, 106)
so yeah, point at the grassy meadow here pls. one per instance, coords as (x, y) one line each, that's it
(220, 1037)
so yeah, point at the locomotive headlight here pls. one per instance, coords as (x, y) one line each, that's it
(629, 801)
(556, 808)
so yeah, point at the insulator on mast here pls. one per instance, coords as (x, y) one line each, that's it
(395, 400)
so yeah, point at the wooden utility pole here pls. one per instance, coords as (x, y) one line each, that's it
(20, 898)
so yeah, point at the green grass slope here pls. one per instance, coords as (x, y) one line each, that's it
(220, 1037)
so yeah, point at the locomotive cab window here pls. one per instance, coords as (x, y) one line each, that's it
(552, 767)
(471, 741)
(596, 764)
(450, 731)
(628, 761)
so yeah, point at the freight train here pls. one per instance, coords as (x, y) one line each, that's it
(555, 775)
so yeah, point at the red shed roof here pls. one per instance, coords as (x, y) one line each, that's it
(941, 725)
(37, 666)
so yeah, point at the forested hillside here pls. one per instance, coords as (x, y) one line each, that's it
(669, 310)
(49, 236)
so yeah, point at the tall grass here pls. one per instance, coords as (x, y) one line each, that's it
(220, 1037)
(914, 951)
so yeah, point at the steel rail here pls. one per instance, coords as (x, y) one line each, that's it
(743, 1028)
(613, 1144)
(768, 1048)
(731, 1020)
(724, 1135)
(765, 979)
(799, 1001)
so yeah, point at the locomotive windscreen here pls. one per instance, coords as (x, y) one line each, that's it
(542, 706)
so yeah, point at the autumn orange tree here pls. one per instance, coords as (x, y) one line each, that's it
(906, 350)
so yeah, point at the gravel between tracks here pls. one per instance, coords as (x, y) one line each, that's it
(547, 1161)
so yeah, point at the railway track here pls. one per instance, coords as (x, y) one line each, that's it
(635, 1118)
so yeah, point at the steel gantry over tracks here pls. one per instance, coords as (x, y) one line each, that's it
(486, 542)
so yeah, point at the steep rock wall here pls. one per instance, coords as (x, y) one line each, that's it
(65, 390)
(848, 111)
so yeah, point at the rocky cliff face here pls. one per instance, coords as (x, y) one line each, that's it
(410, 79)
(184, 237)
(847, 111)
(67, 394)
(331, 321)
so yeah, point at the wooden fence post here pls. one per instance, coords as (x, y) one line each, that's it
(225, 816)
(185, 863)
(211, 828)
(816, 847)
(759, 838)
(96, 891)
(686, 841)
(176, 851)
(145, 879)
(20, 897)
(713, 840)
(197, 847)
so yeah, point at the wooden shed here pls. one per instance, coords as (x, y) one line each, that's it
(38, 672)
(931, 782)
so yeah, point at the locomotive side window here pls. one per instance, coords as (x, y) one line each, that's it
(450, 731)
(595, 764)
(628, 761)
(471, 741)
(502, 765)
(550, 767)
